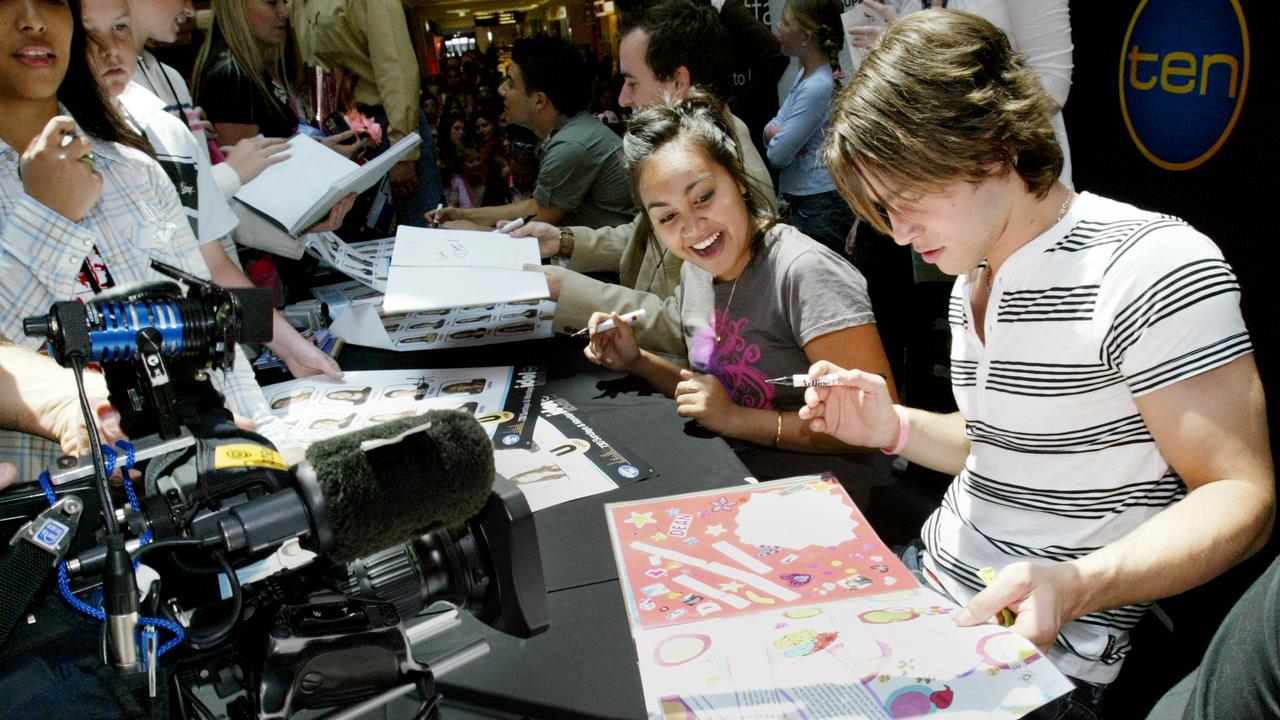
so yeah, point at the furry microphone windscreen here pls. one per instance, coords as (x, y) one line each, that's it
(395, 489)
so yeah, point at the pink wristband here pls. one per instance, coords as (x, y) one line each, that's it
(904, 432)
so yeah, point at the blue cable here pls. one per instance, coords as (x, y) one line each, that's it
(64, 584)
(173, 627)
(130, 458)
(48, 488)
(109, 457)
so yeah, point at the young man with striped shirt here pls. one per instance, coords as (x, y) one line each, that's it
(1110, 447)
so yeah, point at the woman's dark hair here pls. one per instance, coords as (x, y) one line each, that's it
(449, 105)
(86, 99)
(491, 117)
(702, 121)
(522, 140)
(444, 138)
(447, 122)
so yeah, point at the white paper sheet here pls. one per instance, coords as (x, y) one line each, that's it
(432, 268)
(858, 15)
(362, 325)
(316, 408)
(886, 656)
(298, 192)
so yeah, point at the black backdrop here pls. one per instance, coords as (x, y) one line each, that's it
(1230, 196)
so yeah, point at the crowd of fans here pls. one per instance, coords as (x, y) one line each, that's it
(483, 160)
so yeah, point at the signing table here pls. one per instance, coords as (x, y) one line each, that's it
(584, 665)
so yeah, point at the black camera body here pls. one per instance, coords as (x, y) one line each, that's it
(274, 622)
(336, 652)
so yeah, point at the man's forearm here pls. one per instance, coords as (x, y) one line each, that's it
(489, 216)
(1212, 429)
(658, 331)
(40, 397)
(937, 441)
(282, 335)
(15, 361)
(1206, 533)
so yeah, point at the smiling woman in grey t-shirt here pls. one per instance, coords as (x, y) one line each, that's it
(758, 299)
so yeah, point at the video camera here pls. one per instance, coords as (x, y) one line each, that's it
(292, 586)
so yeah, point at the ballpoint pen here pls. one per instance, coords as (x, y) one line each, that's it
(435, 222)
(805, 381)
(608, 325)
(515, 223)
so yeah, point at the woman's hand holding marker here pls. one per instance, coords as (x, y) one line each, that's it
(702, 397)
(616, 349)
(608, 324)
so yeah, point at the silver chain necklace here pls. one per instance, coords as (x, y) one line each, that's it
(1062, 212)
(725, 318)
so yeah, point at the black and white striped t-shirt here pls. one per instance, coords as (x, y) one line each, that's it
(1109, 304)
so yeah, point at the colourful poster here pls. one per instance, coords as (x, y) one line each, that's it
(748, 548)
(891, 656)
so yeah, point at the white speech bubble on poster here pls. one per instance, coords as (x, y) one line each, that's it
(795, 520)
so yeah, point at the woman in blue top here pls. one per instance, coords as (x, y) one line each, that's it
(811, 31)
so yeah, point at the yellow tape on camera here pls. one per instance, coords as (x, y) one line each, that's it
(246, 455)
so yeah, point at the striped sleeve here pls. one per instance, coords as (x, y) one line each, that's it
(1172, 310)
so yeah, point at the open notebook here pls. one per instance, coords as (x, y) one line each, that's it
(299, 192)
(433, 269)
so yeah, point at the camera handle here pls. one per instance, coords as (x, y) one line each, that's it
(153, 377)
(35, 548)
(417, 633)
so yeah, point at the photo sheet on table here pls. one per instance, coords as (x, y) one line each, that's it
(358, 319)
(504, 399)
(570, 458)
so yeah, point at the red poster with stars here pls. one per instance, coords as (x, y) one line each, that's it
(731, 552)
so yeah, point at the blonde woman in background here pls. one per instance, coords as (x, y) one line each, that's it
(809, 30)
(249, 78)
